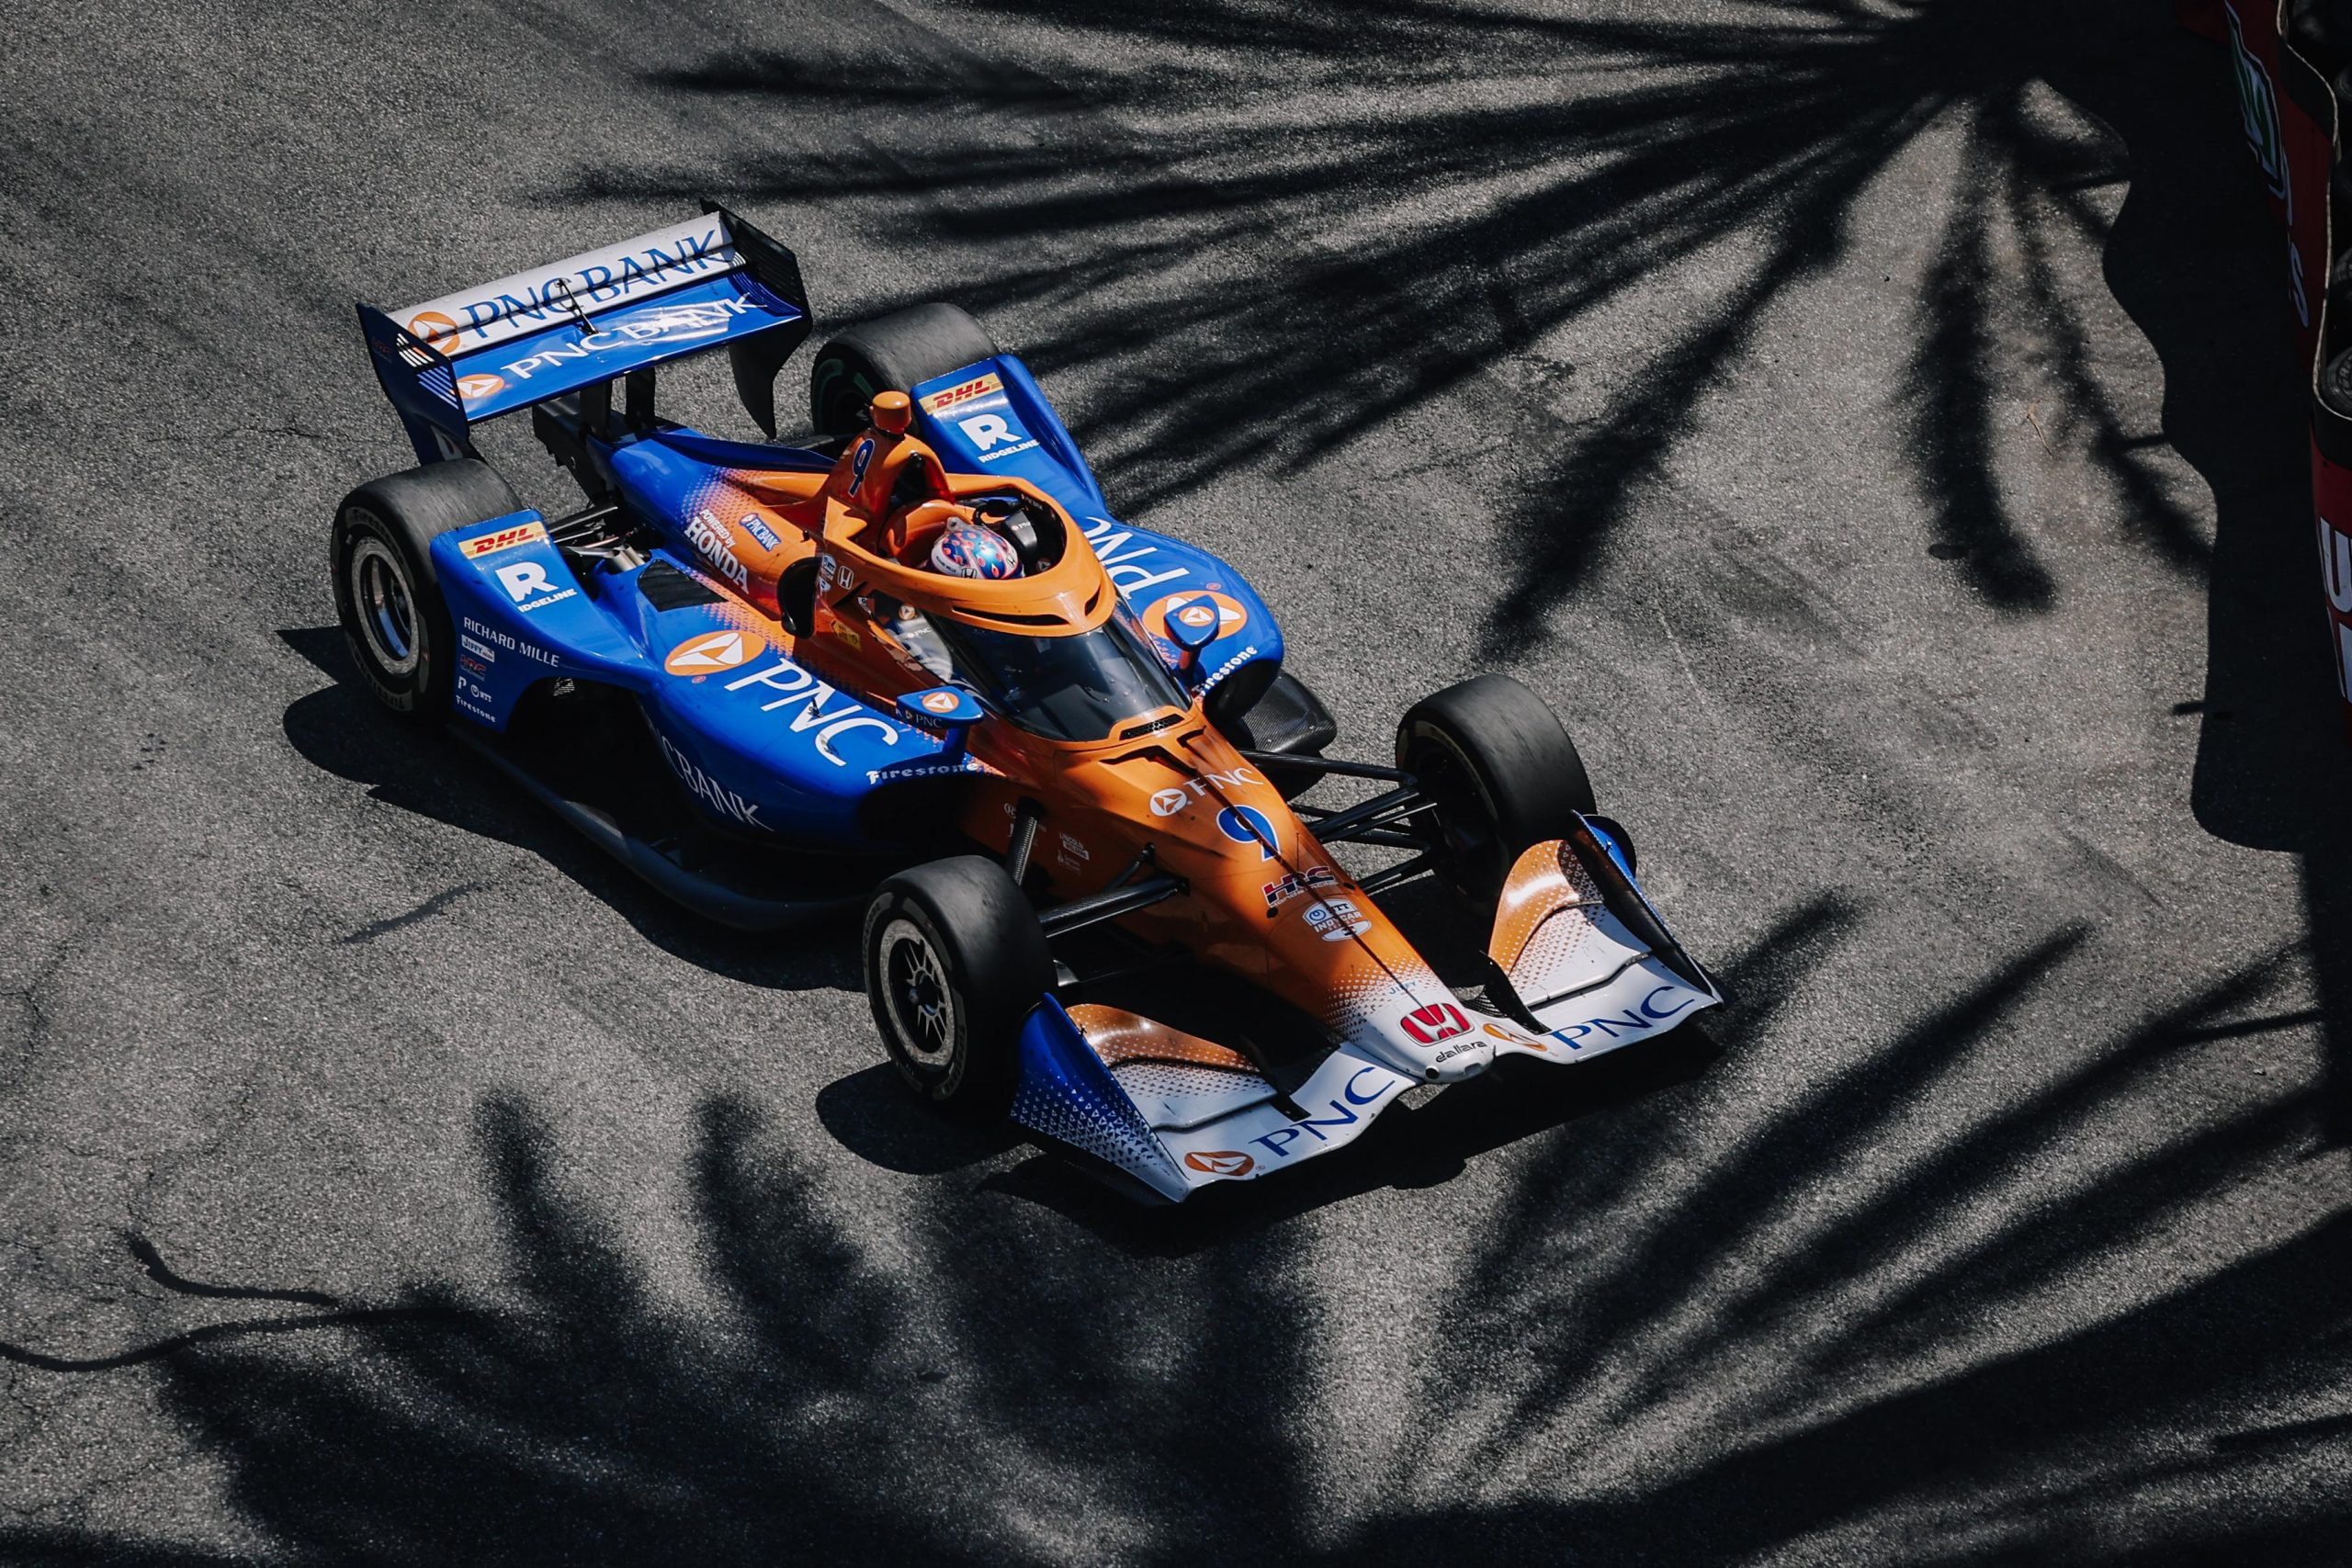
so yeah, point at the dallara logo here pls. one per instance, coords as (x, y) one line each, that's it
(1220, 1162)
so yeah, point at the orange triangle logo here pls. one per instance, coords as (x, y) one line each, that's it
(713, 651)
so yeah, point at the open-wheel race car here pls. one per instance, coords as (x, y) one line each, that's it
(917, 666)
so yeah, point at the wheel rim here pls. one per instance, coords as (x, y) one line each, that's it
(385, 605)
(1465, 818)
(916, 996)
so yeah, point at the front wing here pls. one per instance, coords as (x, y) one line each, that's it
(1176, 1112)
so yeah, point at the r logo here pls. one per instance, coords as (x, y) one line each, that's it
(987, 430)
(524, 578)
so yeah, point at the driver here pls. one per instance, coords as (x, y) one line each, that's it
(967, 549)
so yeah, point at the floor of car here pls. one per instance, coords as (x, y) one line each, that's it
(590, 745)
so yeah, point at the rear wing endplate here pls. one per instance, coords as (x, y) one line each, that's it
(714, 282)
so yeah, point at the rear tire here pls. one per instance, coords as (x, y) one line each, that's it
(955, 959)
(892, 353)
(386, 594)
(1503, 773)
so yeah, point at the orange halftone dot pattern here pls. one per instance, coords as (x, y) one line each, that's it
(1547, 927)
(1367, 996)
(1544, 880)
(1119, 1037)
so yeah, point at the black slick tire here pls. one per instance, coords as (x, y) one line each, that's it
(1502, 770)
(955, 959)
(892, 353)
(386, 594)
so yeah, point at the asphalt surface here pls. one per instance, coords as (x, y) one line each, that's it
(1873, 425)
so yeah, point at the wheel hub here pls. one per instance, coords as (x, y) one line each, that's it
(921, 1005)
(385, 607)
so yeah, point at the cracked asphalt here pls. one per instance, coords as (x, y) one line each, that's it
(1872, 424)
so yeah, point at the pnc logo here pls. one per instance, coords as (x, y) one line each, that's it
(1221, 1162)
(1439, 1020)
(503, 539)
(476, 387)
(1168, 802)
(438, 331)
(714, 651)
(940, 701)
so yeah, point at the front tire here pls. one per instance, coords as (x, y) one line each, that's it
(386, 594)
(892, 353)
(955, 959)
(1502, 770)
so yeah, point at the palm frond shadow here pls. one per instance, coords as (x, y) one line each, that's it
(1816, 1301)
(1250, 277)
(1882, 1318)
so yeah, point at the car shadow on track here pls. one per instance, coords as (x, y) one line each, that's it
(872, 1113)
(1828, 1282)
(2195, 261)
(341, 729)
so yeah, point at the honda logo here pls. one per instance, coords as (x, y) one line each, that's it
(1439, 1020)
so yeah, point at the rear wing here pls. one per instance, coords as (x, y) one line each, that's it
(714, 282)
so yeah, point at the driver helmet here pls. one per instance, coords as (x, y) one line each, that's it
(965, 550)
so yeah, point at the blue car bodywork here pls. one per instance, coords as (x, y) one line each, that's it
(769, 748)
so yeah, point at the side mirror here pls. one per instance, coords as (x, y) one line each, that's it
(1191, 627)
(949, 711)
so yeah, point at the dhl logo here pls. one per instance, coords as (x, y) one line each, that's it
(503, 539)
(979, 386)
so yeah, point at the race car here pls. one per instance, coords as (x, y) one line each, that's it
(917, 666)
